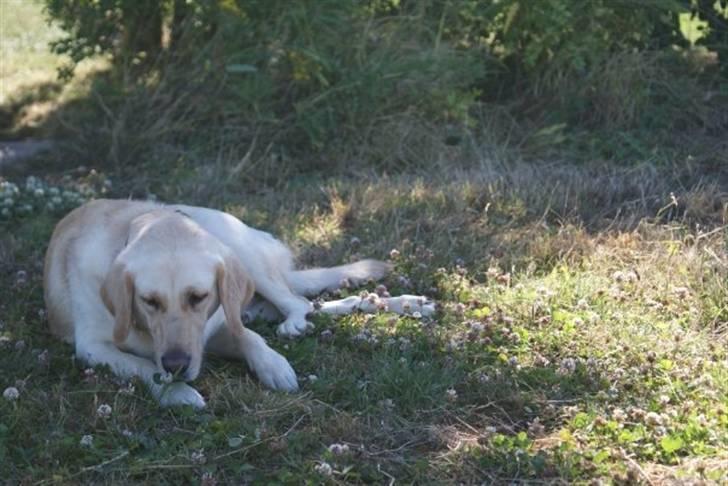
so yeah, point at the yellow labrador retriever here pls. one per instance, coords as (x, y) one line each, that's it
(147, 288)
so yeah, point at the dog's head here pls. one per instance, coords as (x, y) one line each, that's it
(168, 281)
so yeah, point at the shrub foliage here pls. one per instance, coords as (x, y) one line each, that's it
(312, 71)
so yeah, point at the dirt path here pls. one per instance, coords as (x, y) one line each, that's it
(12, 153)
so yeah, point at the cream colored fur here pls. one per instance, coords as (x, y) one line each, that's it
(129, 282)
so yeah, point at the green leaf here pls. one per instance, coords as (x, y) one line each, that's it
(241, 68)
(235, 442)
(601, 456)
(665, 364)
(627, 436)
(482, 312)
(671, 444)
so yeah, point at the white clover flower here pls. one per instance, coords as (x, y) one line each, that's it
(39, 192)
(567, 366)
(417, 315)
(404, 344)
(536, 428)
(394, 254)
(338, 449)
(324, 469)
(11, 393)
(198, 457)
(619, 415)
(653, 419)
(44, 357)
(104, 411)
(312, 378)
(387, 403)
(87, 440)
(476, 327)
(31, 182)
(208, 479)
(681, 292)
(451, 394)
(540, 360)
(166, 377)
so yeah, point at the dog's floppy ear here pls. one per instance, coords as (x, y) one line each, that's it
(117, 292)
(235, 289)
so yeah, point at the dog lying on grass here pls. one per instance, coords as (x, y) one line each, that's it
(147, 289)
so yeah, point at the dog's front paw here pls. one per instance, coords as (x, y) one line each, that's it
(178, 393)
(273, 370)
(294, 327)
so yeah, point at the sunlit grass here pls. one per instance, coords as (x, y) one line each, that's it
(544, 362)
(25, 55)
(29, 86)
(581, 335)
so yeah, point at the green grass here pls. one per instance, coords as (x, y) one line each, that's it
(581, 334)
(30, 91)
(605, 363)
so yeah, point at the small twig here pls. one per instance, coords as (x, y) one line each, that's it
(390, 451)
(639, 469)
(87, 468)
(272, 411)
(711, 232)
(327, 405)
(105, 463)
(391, 478)
(260, 442)
(472, 429)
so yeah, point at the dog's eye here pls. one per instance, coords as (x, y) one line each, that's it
(195, 299)
(152, 302)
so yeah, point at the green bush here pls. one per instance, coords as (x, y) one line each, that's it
(314, 73)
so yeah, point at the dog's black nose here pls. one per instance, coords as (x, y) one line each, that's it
(176, 361)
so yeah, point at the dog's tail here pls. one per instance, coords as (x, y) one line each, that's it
(316, 280)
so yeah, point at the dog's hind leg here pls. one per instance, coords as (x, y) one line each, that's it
(314, 281)
(403, 305)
